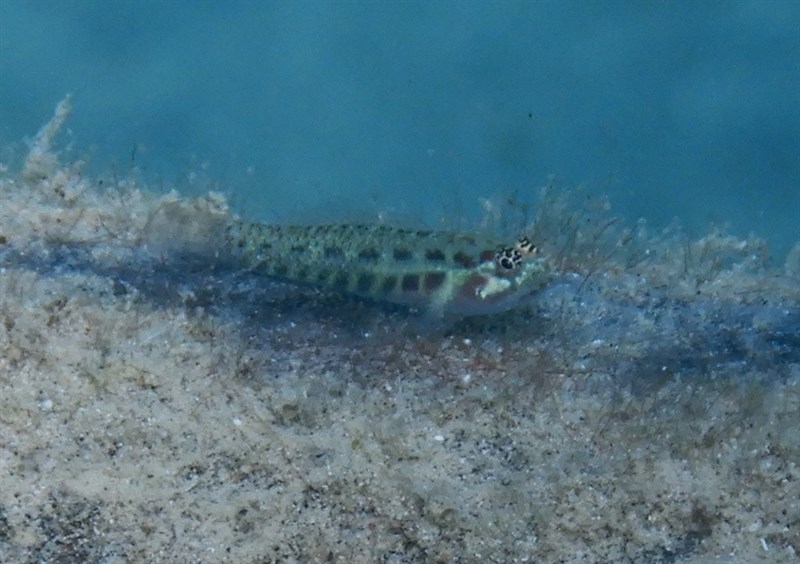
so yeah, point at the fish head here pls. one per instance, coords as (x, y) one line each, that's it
(501, 282)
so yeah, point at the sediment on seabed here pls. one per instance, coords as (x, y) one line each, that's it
(158, 403)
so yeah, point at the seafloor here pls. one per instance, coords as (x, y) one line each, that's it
(156, 406)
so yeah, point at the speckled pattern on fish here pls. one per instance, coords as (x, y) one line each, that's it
(441, 272)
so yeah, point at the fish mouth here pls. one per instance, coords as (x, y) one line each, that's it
(486, 292)
(483, 294)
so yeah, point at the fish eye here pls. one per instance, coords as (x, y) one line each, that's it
(507, 260)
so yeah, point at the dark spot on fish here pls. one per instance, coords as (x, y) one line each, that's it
(434, 254)
(333, 252)
(369, 253)
(401, 253)
(463, 259)
(434, 280)
(487, 255)
(341, 281)
(365, 281)
(423, 233)
(410, 283)
(388, 284)
(323, 275)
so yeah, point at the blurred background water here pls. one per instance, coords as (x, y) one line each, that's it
(674, 110)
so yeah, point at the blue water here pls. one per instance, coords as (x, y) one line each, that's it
(674, 110)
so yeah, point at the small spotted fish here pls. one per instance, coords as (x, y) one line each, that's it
(441, 272)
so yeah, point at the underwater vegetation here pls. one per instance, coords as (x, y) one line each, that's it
(166, 396)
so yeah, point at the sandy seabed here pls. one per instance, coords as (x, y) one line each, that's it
(156, 406)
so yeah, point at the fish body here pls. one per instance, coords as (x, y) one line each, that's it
(441, 272)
